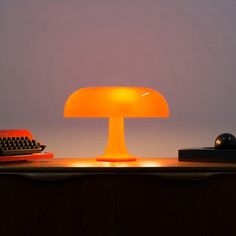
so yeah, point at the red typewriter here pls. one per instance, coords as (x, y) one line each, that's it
(19, 145)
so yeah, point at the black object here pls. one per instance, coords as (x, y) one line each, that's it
(19, 146)
(224, 150)
(225, 141)
(207, 154)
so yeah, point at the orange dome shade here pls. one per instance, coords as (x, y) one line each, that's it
(116, 102)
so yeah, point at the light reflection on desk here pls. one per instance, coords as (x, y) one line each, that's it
(90, 162)
(84, 164)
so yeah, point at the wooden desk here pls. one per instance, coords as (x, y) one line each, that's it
(78, 165)
(158, 196)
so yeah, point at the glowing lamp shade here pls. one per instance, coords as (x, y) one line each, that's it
(116, 103)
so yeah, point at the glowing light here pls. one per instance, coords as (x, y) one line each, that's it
(116, 103)
(150, 164)
(123, 95)
(91, 162)
(145, 94)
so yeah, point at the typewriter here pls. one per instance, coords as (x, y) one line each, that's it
(19, 145)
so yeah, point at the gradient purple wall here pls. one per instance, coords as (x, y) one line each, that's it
(185, 49)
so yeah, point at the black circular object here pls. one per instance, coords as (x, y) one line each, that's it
(225, 141)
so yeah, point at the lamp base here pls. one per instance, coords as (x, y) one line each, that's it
(116, 158)
(116, 150)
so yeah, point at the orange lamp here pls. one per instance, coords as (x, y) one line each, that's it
(116, 103)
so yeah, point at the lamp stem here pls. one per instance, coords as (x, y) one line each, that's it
(116, 136)
(116, 149)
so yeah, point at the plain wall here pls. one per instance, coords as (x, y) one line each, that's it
(185, 49)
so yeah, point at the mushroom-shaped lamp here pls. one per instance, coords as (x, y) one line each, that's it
(116, 103)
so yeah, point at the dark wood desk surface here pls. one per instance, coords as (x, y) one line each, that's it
(91, 165)
(152, 196)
